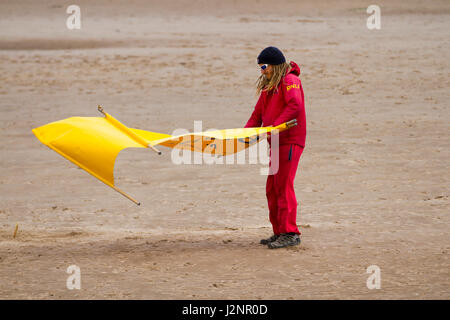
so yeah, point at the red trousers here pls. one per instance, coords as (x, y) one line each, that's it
(280, 188)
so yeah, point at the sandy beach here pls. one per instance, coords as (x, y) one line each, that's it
(372, 183)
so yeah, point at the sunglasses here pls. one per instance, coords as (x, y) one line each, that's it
(264, 66)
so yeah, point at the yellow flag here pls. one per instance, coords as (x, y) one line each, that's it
(93, 143)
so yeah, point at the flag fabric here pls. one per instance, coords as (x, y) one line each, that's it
(93, 143)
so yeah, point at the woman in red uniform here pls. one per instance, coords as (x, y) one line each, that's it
(281, 99)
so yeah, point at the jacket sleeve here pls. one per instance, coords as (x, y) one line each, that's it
(293, 100)
(256, 117)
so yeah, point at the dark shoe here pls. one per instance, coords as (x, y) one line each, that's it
(285, 240)
(269, 240)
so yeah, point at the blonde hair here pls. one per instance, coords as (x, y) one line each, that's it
(264, 84)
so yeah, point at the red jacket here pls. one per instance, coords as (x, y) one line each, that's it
(280, 105)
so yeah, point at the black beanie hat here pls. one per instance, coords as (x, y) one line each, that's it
(271, 55)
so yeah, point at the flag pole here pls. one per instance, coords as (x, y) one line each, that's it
(112, 186)
(154, 149)
(129, 132)
(125, 195)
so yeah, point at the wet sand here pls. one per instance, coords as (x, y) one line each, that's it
(372, 184)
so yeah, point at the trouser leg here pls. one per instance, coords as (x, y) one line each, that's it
(283, 182)
(272, 202)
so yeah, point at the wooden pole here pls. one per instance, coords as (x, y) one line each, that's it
(154, 149)
(15, 230)
(291, 123)
(129, 132)
(101, 110)
(125, 195)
